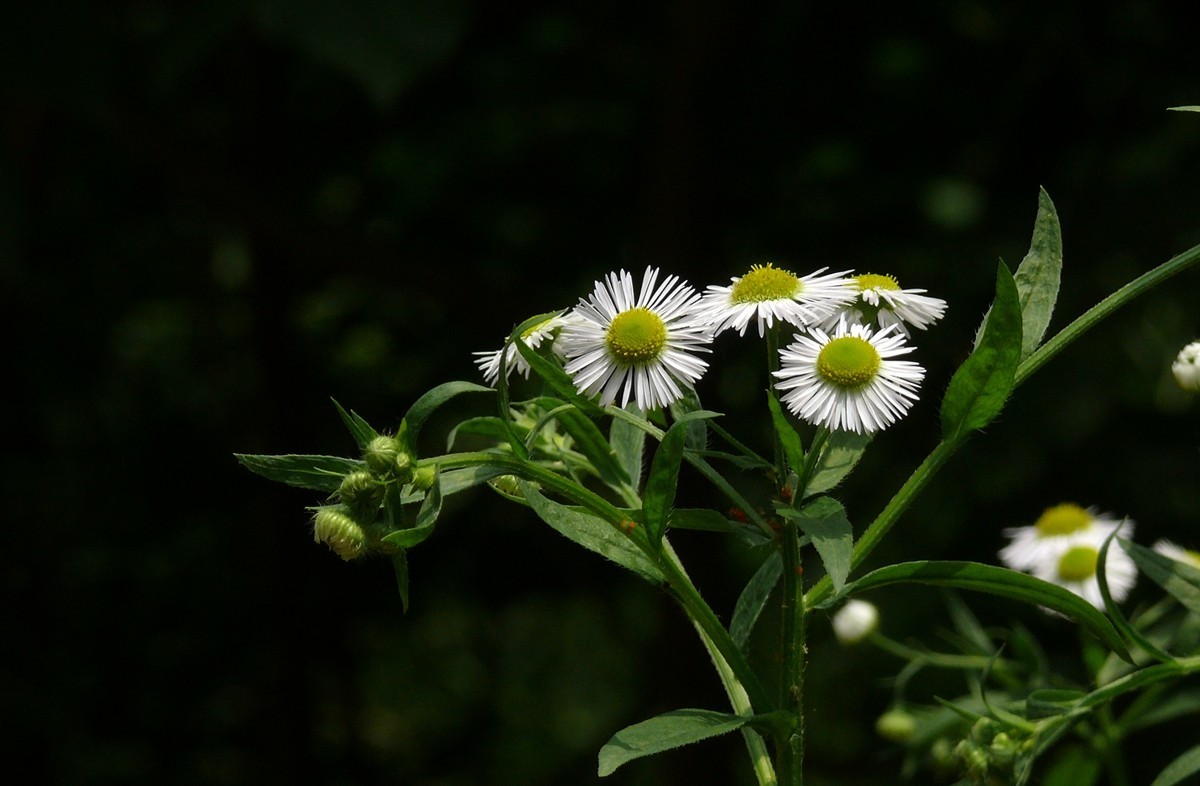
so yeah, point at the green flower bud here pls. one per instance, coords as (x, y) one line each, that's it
(896, 725)
(337, 529)
(423, 477)
(360, 492)
(974, 760)
(381, 454)
(1002, 750)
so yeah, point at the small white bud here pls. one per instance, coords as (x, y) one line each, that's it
(1186, 367)
(854, 621)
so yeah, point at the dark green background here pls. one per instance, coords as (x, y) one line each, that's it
(213, 219)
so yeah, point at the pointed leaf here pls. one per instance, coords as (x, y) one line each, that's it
(997, 581)
(359, 428)
(556, 378)
(839, 455)
(754, 598)
(1183, 108)
(491, 428)
(824, 521)
(592, 533)
(1038, 275)
(697, 431)
(793, 448)
(589, 441)
(400, 564)
(1179, 579)
(663, 481)
(979, 388)
(427, 518)
(628, 443)
(320, 473)
(663, 733)
(1186, 765)
(453, 481)
(423, 407)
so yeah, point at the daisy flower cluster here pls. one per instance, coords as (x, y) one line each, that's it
(642, 344)
(1063, 548)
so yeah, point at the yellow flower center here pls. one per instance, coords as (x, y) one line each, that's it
(876, 281)
(848, 362)
(1078, 563)
(1062, 520)
(636, 336)
(765, 282)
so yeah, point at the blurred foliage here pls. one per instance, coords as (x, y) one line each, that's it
(215, 216)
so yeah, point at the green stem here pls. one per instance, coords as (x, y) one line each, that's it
(1108, 744)
(791, 748)
(772, 366)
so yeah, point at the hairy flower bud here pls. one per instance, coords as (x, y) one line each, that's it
(360, 492)
(337, 529)
(423, 477)
(381, 454)
(896, 725)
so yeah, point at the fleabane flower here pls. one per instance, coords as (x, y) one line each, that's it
(769, 294)
(1063, 548)
(637, 346)
(1186, 367)
(848, 380)
(1176, 552)
(489, 362)
(880, 299)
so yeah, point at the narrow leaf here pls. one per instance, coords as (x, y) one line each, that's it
(663, 733)
(697, 430)
(1038, 275)
(1187, 764)
(1183, 108)
(663, 481)
(427, 518)
(490, 428)
(589, 441)
(320, 473)
(1048, 702)
(400, 563)
(840, 454)
(754, 598)
(423, 407)
(359, 428)
(453, 481)
(979, 388)
(628, 443)
(824, 520)
(592, 533)
(1180, 580)
(556, 378)
(793, 448)
(997, 581)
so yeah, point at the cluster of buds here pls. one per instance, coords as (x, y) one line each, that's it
(990, 753)
(351, 528)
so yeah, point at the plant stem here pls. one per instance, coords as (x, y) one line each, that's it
(790, 751)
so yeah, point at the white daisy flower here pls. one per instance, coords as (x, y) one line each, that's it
(1055, 530)
(848, 380)
(1176, 552)
(880, 299)
(1186, 367)
(489, 362)
(1063, 548)
(641, 346)
(854, 621)
(770, 294)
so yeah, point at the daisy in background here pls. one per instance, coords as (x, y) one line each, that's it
(849, 380)
(1178, 553)
(640, 347)
(1063, 548)
(880, 299)
(1186, 367)
(769, 294)
(489, 362)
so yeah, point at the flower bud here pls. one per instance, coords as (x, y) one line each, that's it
(381, 454)
(423, 477)
(360, 492)
(334, 527)
(1003, 750)
(896, 725)
(854, 621)
(974, 760)
(1186, 367)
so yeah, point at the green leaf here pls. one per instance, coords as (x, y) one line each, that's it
(979, 388)
(663, 733)
(423, 407)
(591, 532)
(838, 456)
(754, 598)
(556, 378)
(1048, 702)
(427, 518)
(1179, 703)
(400, 563)
(1038, 275)
(663, 481)
(1183, 109)
(1076, 765)
(703, 519)
(590, 441)
(996, 581)
(1123, 626)
(628, 444)
(824, 520)
(793, 448)
(453, 481)
(359, 428)
(490, 428)
(320, 473)
(1180, 580)
(1185, 765)
(697, 430)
